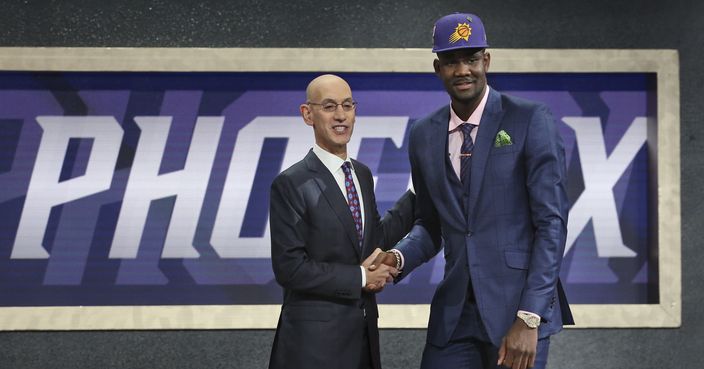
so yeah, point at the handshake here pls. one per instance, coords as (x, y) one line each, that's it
(380, 268)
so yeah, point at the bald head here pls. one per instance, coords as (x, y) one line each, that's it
(330, 110)
(318, 87)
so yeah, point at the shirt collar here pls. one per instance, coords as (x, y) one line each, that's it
(476, 116)
(331, 161)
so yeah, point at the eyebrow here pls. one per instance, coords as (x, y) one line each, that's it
(325, 101)
(477, 54)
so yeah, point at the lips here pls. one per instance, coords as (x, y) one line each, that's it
(462, 84)
(340, 128)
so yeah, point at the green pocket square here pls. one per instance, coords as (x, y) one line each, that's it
(502, 139)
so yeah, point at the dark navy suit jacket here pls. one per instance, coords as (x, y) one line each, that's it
(511, 239)
(315, 255)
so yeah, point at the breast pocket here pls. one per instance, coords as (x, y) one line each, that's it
(502, 161)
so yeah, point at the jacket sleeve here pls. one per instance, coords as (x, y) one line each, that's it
(424, 240)
(547, 196)
(397, 221)
(293, 268)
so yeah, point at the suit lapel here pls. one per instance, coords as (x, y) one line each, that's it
(368, 200)
(488, 127)
(331, 191)
(437, 176)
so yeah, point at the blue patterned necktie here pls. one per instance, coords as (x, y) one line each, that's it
(466, 152)
(353, 200)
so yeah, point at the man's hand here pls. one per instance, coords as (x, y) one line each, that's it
(371, 258)
(377, 276)
(518, 348)
(383, 257)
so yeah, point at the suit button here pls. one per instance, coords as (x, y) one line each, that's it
(469, 234)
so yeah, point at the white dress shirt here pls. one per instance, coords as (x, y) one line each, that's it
(456, 138)
(334, 164)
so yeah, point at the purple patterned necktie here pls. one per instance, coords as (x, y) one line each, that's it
(353, 200)
(466, 151)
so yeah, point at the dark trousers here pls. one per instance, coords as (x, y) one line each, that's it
(471, 348)
(366, 354)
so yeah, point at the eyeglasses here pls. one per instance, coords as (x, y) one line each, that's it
(330, 106)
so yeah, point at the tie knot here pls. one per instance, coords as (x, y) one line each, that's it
(346, 166)
(466, 128)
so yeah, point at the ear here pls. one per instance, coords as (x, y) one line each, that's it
(436, 66)
(306, 113)
(487, 61)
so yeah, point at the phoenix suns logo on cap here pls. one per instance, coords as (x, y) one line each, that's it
(462, 32)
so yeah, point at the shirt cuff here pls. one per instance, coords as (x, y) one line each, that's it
(364, 277)
(529, 313)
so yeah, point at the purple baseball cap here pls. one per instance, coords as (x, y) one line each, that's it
(458, 31)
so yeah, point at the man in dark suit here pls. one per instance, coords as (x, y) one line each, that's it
(489, 176)
(324, 222)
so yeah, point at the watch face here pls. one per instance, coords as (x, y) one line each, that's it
(533, 322)
(530, 320)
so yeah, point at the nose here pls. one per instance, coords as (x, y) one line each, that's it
(339, 114)
(463, 69)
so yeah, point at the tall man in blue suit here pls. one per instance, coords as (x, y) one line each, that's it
(489, 177)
